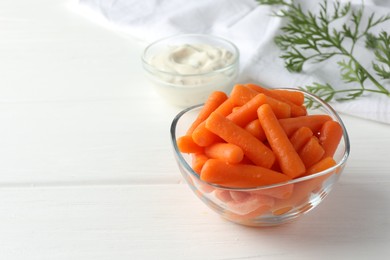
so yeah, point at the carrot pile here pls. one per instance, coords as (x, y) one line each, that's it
(258, 136)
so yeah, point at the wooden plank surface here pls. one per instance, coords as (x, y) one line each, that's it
(87, 170)
(169, 222)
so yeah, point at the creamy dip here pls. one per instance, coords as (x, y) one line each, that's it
(190, 59)
(186, 74)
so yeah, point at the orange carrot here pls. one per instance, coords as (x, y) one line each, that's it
(203, 137)
(300, 137)
(260, 89)
(235, 109)
(246, 160)
(295, 97)
(186, 144)
(280, 192)
(253, 148)
(280, 210)
(295, 109)
(314, 122)
(322, 165)
(226, 152)
(256, 130)
(289, 160)
(239, 196)
(225, 108)
(276, 165)
(280, 108)
(300, 196)
(223, 195)
(241, 94)
(247, 112)
(302, 190)
(248, 204)
(198, 160)
(239, 175)
(254, 206)
(330, 136)
(214, 100)
(311, 152)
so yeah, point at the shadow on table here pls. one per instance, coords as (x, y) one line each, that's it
(354, 214)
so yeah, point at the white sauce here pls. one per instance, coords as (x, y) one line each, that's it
(178, 67)
(191, 59)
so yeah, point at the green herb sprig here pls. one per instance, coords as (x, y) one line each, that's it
(309, 37)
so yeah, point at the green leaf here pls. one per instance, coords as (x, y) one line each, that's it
(371, 41)
(381, 47)
(352, 72)
(324, 91)
(381, 71)
(271, 2)
(315, 37)
(294, 60)
(353, 94)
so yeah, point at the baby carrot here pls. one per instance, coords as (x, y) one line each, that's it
(322, 165)
(235, 109)
(314, 122)
(276, 166)
(330, 136)
(256, 130)
(247, 112)
(260, 89)
(203, 137)
(225, 108)
(253, 148)
(226, 152)
(223, 195)
(311, 152)
(252, 207)
(280, 108)
(239, 175)
(295, 97)
(295, 109)
(249, 204)
(289, 160)
(198, 160)
(186, 144)
(280, 192)
(214, 100)
(239, 196)
(300, 137)
(300, 196)
(302, 190)
(241, 94)
(280, 210)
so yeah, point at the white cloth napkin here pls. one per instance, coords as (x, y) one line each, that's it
(252, 28)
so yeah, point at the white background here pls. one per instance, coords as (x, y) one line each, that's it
(87, 170)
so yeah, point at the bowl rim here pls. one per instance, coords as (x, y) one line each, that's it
(150, 68)
(325, 105)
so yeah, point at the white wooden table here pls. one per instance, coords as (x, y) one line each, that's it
(87, 170)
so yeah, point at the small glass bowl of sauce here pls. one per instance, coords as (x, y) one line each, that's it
(185, 69)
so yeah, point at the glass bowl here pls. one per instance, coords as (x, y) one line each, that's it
(265, 205)
(183, 87)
